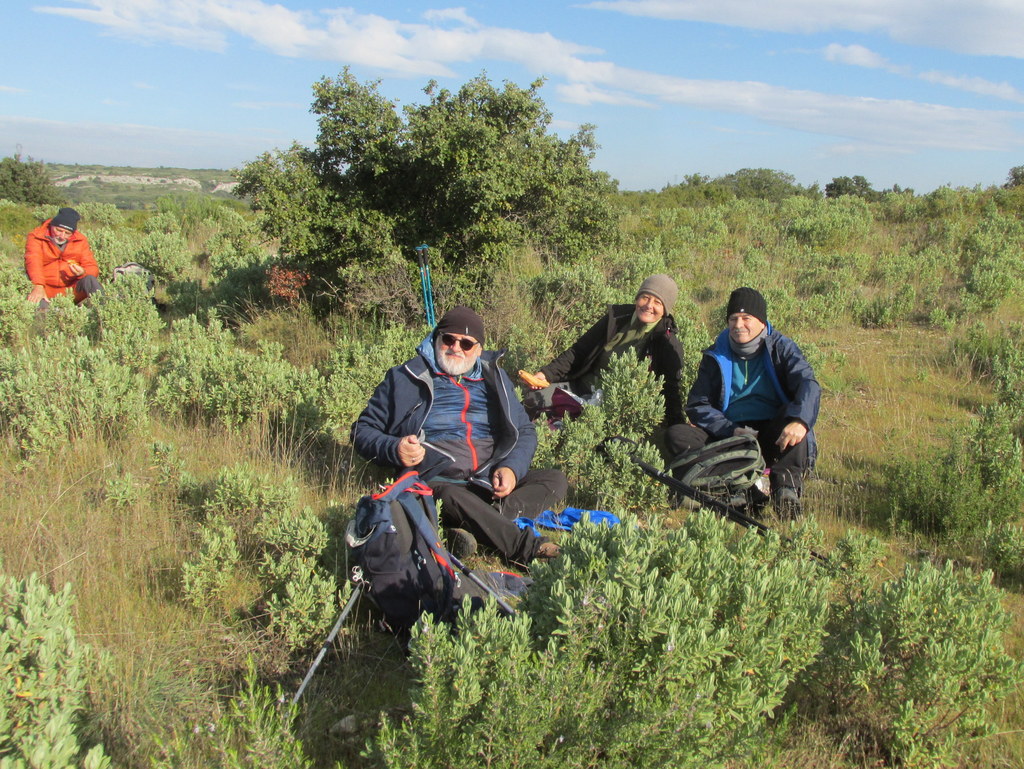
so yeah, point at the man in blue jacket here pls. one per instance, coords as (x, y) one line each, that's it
(451, 413)
(754, 380)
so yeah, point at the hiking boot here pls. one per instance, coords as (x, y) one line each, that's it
(787, 504)
(461, 543)
(546, 551)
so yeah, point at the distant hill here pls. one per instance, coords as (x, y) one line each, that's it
(134, 188)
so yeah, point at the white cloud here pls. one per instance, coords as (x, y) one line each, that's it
(424, 49)
(856, 56)
(11, 89)
(453, 14)
(975, 85)
(889, 122)
(859, 56)
(984, 27)
(580, 93)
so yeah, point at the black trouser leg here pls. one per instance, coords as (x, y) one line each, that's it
(680, 439)
(539, 490)
(788, 467)
(469, 507)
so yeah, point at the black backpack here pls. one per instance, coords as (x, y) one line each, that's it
(399, 559)
(723, 468)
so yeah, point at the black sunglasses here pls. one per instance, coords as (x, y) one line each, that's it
(450, 341)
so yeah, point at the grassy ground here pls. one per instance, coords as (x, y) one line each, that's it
(72, 517)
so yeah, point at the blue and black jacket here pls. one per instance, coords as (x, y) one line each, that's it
(787, 369)
(400, 404)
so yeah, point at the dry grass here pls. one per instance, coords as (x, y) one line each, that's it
(893, 393)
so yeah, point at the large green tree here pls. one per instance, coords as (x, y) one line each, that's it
(764, 183)
(474, 173)
(27, 181)
(851, 185)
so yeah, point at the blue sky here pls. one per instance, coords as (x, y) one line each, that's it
(918, 93)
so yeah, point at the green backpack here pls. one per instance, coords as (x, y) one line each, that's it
(728, 467)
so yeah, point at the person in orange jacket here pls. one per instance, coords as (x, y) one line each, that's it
(58, 258)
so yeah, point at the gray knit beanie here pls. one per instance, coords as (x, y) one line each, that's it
(662, 287)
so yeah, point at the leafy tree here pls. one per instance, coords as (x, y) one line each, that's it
(764, 183)
(1015, 178)
(697, 190)
(855, 185)
(472, 173)
(26, 181)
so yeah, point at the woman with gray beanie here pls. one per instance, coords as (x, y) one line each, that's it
(645, 326)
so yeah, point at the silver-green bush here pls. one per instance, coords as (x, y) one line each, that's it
(43, 666)
(912, 667)
(638, 647)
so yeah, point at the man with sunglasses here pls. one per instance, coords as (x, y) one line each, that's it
(451, 413)
(58, 259)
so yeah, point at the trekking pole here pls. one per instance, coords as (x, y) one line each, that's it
(442, 554)
(502, 604)
(425, 284)
(356, 592)
(708, 501)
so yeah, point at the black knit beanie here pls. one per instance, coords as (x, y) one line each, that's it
(461, 320)
(748, 301)
(66, 217)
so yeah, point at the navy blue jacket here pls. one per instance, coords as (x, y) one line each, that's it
(788, 370)
(399, 407)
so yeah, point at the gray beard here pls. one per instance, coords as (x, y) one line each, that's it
(450, 364)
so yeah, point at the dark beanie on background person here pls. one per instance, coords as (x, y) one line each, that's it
(662, 287)
(748, 301)
(461, 320)
(67, 218)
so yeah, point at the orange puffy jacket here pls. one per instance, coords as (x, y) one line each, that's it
(47, 266)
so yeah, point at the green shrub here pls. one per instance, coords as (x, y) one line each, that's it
(832, 223)
(357, 365)
(47, 400)
(16, 314)
(887, 309)
(298, 591)
(1002, 548)
(206, 377)
(211, 570)
(241, 495)
(65, 320)
(991, 253)
(602, 475)
(569, 298)
(166, 255)
(252, 732)
(956, 491)
(913, 666)
(114, 247)
(43, 667)
(638, 647)
(128, 322)
(99, 215)
(252, 531)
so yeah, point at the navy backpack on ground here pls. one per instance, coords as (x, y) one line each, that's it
(402, 563)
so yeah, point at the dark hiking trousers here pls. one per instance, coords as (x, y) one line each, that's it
(788, 467)
(491, 520)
